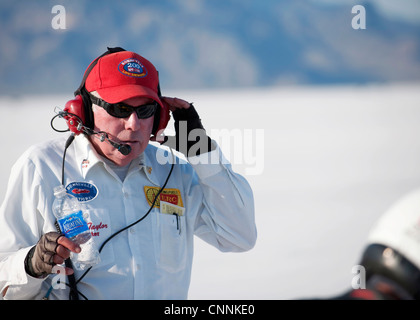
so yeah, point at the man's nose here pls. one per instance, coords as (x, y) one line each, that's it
(132, 122)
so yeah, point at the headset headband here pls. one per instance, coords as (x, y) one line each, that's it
(94, 62)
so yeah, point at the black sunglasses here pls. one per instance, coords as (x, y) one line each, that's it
(122, 110)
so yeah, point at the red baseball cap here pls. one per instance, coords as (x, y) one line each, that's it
(122, 75)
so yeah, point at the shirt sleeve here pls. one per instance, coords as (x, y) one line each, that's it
(16, 283)
(226, 216)
(20, 224)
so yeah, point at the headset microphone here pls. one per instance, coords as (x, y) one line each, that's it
(125, 149)
(76, 127)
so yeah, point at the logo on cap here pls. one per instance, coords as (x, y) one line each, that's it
(132, 68)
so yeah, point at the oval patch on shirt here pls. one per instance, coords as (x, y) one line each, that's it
(83, 191)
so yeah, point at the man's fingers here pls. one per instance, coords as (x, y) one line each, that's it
(57, 259)
(62, 270)
(62, 252)
(67, 243)
(175, 103)
(52, 249)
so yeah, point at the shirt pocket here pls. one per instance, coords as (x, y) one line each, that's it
(169, 233)
(99, 223)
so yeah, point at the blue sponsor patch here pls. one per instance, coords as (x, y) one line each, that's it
(83, 191)
(132, 68)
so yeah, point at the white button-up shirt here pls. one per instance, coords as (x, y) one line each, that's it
(150, 260)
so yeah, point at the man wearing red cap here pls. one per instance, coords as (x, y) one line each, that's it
(142, 212)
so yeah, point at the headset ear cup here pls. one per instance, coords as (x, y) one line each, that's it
(75, 110)
(87, 109)
(162, 117)
(156, 122)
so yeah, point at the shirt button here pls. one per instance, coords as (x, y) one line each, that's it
(132, 231)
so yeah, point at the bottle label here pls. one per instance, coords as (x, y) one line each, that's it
(73, 224)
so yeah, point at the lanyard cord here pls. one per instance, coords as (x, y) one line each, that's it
(73, 295)
(139, 220)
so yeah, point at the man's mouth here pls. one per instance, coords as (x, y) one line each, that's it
(130, 141)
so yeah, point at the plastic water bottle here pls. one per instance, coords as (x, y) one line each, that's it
(72, 223)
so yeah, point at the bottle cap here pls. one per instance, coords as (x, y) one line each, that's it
(59, 189)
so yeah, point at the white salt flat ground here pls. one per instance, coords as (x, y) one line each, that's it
(324, 164)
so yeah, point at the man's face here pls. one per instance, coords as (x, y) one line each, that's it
(131, 130)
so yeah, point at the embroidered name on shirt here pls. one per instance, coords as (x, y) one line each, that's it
(171, 195)
(94, 228)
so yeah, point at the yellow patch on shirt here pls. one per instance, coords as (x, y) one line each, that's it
(170, 195)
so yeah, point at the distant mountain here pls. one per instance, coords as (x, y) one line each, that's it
(203, 43)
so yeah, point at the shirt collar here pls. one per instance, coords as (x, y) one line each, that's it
(87, 157)
(147, 166)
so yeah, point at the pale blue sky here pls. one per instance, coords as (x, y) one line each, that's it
(408, 10)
